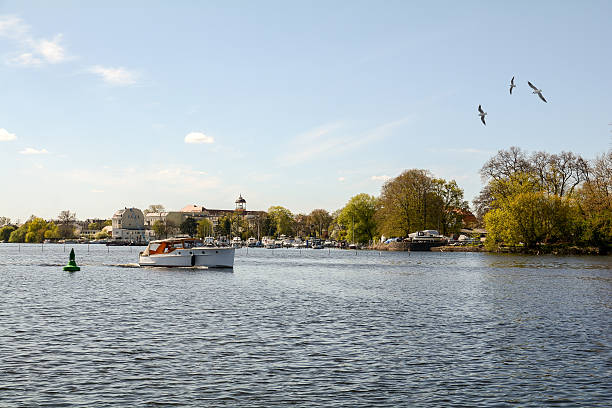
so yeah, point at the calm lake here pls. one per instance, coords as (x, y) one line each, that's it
(304, 328)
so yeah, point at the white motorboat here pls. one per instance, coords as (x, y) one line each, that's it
(425, 240)
(237, 242)
(185, 252)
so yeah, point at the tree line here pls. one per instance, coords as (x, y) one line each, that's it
(36, 229)
(541, 198)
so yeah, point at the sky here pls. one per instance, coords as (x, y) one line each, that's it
(301, 104)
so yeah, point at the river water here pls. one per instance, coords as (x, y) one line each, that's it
(304, 328)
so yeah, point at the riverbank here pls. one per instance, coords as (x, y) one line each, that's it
(556, 249)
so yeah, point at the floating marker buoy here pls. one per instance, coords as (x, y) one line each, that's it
(72, 266)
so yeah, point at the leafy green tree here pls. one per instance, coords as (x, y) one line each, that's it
(404, 204)
(205, 228)
(595, 201)
(5, 232)
(189, 227)
(282, 219)
(19, 234)
(357, 218)
(103, 235)
(522, 213)
(36, 229)
(52, 231)
(160, 229)
(224, 227)
(448, 214)
(320, 219)
(301, 225)
(239, 226)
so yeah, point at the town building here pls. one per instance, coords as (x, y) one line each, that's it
(128, 225)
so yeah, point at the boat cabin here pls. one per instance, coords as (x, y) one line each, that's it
(166, 246)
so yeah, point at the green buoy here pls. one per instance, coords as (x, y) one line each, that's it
(72, 266)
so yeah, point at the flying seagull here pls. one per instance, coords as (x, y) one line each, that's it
(536, 91)
(482, 114)
(512, 85)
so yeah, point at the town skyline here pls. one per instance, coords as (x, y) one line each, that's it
(297, 105)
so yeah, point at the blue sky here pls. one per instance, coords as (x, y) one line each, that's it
(299, 104)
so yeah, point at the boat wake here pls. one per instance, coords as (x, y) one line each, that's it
(127, 265)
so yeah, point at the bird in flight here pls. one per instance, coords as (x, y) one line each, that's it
(512, 85)
(482, 115)
(536, 91)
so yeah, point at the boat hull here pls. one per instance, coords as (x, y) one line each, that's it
(191, 257)
(424, 245)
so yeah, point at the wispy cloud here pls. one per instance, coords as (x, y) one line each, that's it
(198, 138)
(13, 27)
(334, 138)
(115, 76)
(6, 136)
(384, 177)
(96, 191)
(32, 51)
(31, 151)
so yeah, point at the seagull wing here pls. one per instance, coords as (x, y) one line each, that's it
(480, 109)
(541, 96)
(483, 120)
(511, 89)
(532, 86)
(512, 81)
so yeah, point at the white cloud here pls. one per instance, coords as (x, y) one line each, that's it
(341, 179)
(198, 137)
(13, 27)
(5, 136)
(27, 58)
(384, 177)
(34, 51)
(115, 76)
(51, 51)
(97, 191)
(31, 150)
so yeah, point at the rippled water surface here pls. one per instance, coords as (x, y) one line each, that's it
(305, 328)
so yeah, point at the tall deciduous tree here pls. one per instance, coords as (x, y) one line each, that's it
(282, 219)
(160, 229)
(205, 228)
(154, 208)
(449, 215)
(357, 218)
(595, 199)
(65, 228)
(5, 232)
(320, 219)
(403, 203)
(224, 227)
(523, 213)
(189, 227)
